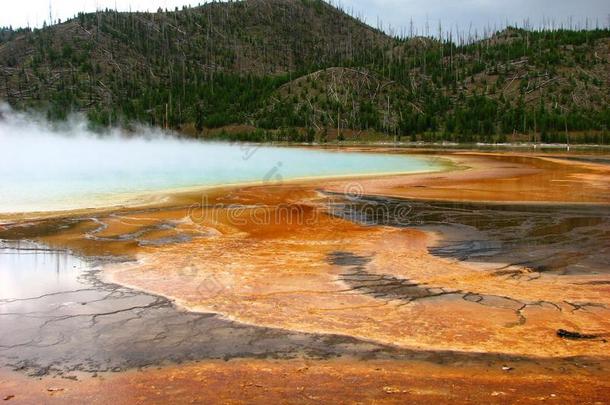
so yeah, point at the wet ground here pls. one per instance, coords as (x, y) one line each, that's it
(509, 241)
(64, 321)
(72, 322)
(528, 239)
(353, 277)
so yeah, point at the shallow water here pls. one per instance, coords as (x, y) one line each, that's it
(30, 270)
(57, 317)
(65, 321)
(42, 170)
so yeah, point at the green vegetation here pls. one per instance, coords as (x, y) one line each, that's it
(302, 70)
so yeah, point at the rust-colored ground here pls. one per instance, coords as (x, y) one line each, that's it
(267, 263)
(501, 177)
(271, 256)
(338, 382)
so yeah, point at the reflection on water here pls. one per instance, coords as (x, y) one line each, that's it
(30, 270)
(58, 318)
(560, 238)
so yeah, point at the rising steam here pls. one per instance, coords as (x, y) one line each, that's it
(47, 166)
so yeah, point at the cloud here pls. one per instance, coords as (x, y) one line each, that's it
(395, 13)
(482, 13)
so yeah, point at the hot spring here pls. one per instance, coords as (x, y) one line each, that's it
(46, 169)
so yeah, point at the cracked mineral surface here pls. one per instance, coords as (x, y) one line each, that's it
(502, 264)
(59, 318)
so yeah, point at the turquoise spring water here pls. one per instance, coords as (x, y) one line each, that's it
(44, 171)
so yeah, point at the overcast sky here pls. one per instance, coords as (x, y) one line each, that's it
(395, 13)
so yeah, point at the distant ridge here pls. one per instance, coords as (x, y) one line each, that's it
(300, 64)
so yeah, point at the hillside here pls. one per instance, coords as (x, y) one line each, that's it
(303, 64)
(145, 60)
(491, 90)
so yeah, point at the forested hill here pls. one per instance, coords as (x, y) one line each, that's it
(305, 70)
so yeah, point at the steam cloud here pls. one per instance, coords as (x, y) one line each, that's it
(47, 166)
